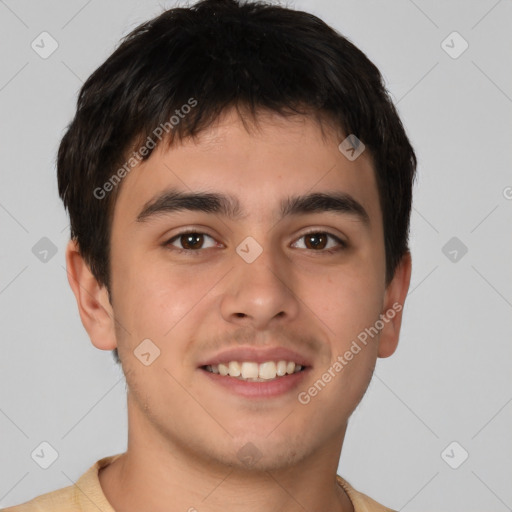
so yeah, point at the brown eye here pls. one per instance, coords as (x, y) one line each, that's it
(189, 241)
(318, 241)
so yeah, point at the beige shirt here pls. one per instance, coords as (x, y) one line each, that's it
(87, 496)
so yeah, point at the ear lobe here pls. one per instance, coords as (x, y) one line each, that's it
(92, 299)
(394, 300)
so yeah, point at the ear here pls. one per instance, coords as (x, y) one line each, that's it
(92, 299)
(394, 300)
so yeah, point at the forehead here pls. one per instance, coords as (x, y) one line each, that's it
(260, 165)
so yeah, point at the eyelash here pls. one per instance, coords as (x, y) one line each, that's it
(197, 252)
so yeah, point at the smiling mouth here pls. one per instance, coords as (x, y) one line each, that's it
(249, 371)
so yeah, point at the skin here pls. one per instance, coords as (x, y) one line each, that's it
(185, 432)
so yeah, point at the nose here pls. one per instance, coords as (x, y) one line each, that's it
(260, 293)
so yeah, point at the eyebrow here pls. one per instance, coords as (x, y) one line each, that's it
(229, 206)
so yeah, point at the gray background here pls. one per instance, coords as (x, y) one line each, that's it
(450, 377)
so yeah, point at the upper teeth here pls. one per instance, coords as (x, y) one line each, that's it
(254, 371)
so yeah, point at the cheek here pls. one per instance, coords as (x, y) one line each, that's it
(155, 295)
(347, 300)
(348, 305)
(352, 305)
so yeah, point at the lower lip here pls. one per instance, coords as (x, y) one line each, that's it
(272, 388)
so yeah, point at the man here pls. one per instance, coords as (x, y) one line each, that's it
(239, 188)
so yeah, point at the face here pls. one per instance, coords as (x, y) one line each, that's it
(252, 284)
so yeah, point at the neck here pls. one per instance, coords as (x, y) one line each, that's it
(162, 475)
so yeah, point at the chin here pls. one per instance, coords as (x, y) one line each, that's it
(261, 454)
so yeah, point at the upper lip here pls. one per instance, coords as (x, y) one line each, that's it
(256, 355)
